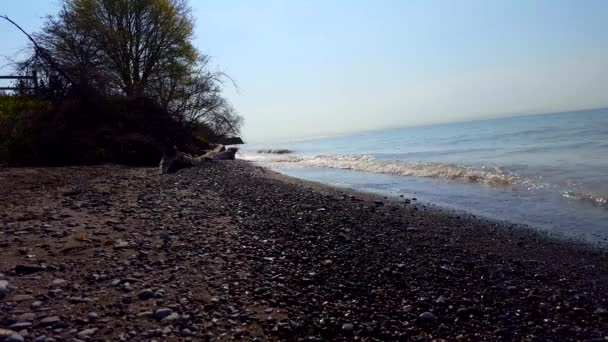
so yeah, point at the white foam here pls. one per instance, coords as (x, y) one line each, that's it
(586, 197)
(367, 163)
(485, 175)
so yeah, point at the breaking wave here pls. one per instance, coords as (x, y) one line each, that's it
(493, 176)
(587, 197)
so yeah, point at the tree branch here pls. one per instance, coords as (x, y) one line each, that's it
(41, 50)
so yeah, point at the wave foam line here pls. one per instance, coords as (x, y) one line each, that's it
(586, 197)
(364, 163)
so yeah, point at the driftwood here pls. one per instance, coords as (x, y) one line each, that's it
(174, 159)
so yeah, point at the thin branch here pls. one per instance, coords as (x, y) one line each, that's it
(41, 50)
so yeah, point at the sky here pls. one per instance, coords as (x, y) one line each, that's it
(307, 68)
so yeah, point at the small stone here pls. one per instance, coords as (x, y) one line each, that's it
(22, 298)
(162, 313)
(348, 327)
(441, 300)
(41, 338)
(28, 269)
(145, 314)
(121, 244)
(36, 304)
(4, 333)
(146, 294)
(447, 269)
(171, 318)
(502, 332)
(87, 332)
(50, 320)
(26, 317)
(601, 312)
(14, 338)
(186, 332)
(427, 317)
(578, 311)
(58, 282)
(3, 289)
(22, 325)
(93, 316)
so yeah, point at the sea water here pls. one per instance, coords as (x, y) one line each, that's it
(547, 171)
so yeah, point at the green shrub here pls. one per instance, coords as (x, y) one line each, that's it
(85, 131)
(17, 140)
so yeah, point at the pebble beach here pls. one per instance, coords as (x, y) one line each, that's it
(230, 251)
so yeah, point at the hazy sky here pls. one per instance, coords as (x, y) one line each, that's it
(317, 67)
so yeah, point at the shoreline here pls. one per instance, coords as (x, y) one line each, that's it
(233, 250)
(395, 200)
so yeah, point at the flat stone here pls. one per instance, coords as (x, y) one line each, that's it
(14, 338)
(88, 332)
(22, 325)
(145, 314)
(171, 318)
(4, 333)
(50, 320)
(58, 282)
(121, 244)
(28, 269)
(80, 300)
(22, 298)
(162, 313)
(441, 300)
(26, 317)
(348, 327)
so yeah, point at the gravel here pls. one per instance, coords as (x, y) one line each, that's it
(231, 251)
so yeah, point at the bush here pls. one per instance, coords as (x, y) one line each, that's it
(85, 131)
(17, 141)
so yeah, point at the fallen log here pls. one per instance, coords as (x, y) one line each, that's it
(173, 159)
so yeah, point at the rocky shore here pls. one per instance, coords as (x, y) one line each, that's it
(230, 251)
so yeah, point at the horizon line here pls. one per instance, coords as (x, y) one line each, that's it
(493, 117)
